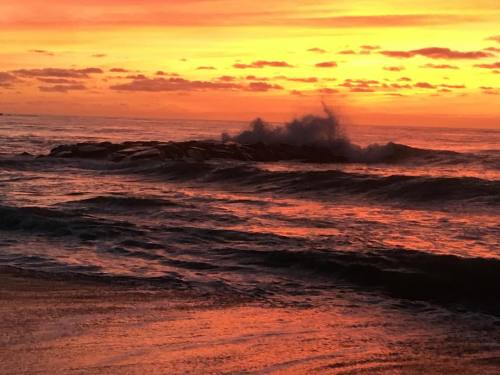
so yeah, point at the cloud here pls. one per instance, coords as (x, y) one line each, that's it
(347, 52)
(492, 49)
(362, 89)
(7, 79)
(226, 78)
(369, 48)
(453, 86)
(397, 86)
(58, 72)
(359, 82)
(160, 84)
(495, 65)
(255, 78)
(298, 79)
(361, 85)
(394, 68)
(42, 52)
(326, 64)
(119, 70)
(162, 73)
(495, 38)
(62, 88)
(99, 55)
(263, 63)
(136, 76)
(405, 79)
(58, 81)
(398, 54)
(316, 50)
(327, 91)
(262, 87)
(172, 84)
(440, 66)
(206, 68)
(438, 53)
(424, 85)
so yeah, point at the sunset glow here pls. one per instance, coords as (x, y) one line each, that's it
(381, 62)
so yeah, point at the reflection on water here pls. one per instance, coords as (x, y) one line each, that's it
(287, 234)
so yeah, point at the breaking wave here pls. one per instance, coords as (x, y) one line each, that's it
(322, 183)
(326, 140)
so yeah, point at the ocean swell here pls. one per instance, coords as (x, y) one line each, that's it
(322, 183)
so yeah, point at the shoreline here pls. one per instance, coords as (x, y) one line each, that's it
(81, 327)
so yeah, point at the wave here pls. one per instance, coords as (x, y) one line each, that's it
(405, 274)
(126, 202)
(313, 139)
(322, 183)
(60, 223)
(343, 152)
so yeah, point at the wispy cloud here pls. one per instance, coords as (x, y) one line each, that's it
(262, 64)
(58, 72)
(440, 66)
(326, 64)
(438, 53)
(62, 88)
(42, 52)
(495, 65)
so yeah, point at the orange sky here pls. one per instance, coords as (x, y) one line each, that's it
(380, 62)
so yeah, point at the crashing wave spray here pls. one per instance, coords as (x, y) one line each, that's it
(308, 130)
(324, 133)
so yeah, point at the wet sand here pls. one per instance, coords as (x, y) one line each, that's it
(50, 326)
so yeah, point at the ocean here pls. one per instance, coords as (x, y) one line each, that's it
(345, 249)
(413, 215)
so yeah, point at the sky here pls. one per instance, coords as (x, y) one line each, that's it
(393, 62)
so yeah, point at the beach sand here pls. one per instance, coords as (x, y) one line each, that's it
(50, 326)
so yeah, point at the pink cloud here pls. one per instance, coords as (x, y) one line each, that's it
(6, 79)
(394, 68)
(440, 66)
(495, 38)
(119, 70)
(262, 64)
(493, 49)
(255, 78)
(438, 53)
(453, 86)
(263, 86)
(42, 52)
(62, 88)
(316, 50)
(58, 72)
(347, 52)
(226, 78)
(299, 79)
(327, 91)
(495, 65)
(172, 84)
(326, 64)
(59, 81)
(180, 84)
(424, 85)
